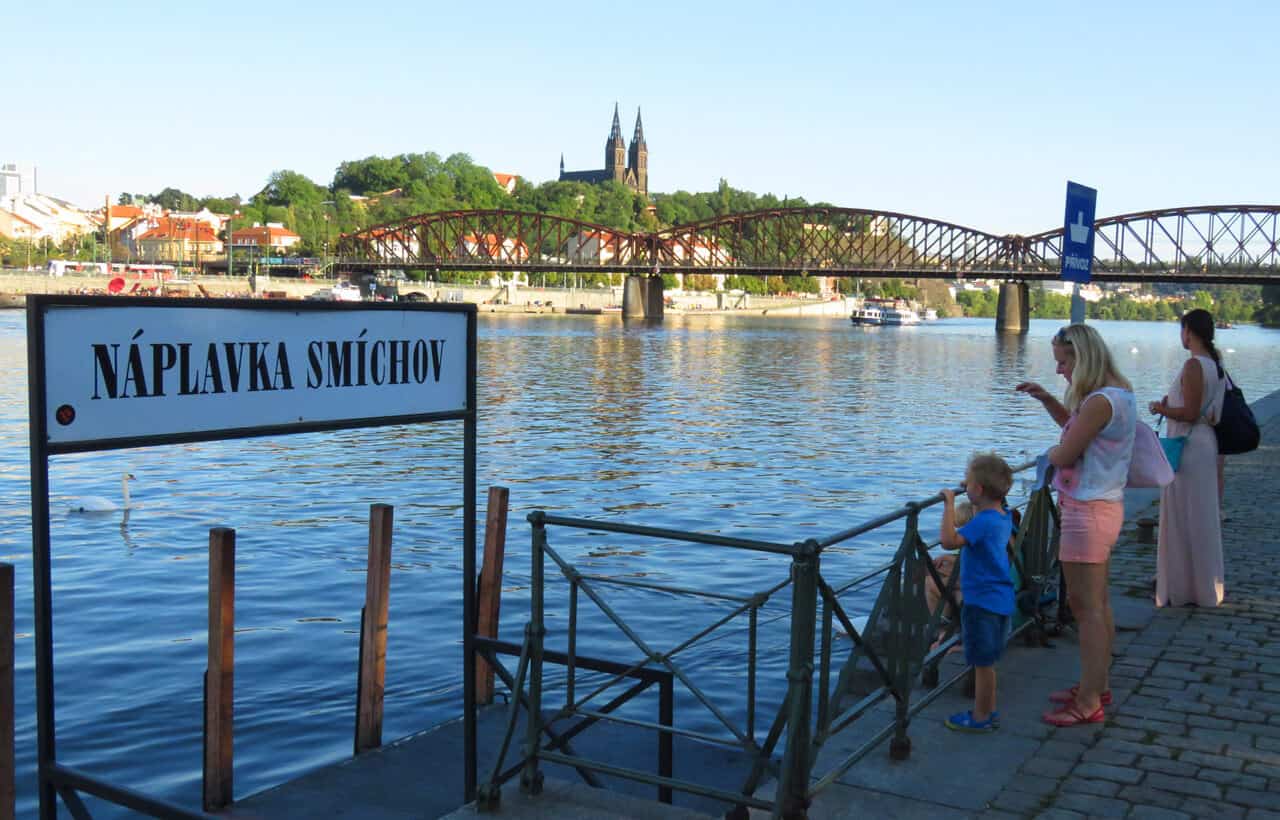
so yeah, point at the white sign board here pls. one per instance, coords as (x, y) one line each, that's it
(149, 371)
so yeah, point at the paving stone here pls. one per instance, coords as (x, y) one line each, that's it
(1252, 798)
(1033, 784)
(1263, 770)
(1197, 744)
(1124, 733)
(1060, 748)
(1146, 796)
(1059, 814)
(1177, 785)
(1244, 781)
(1214, 809)
(1120, 774)
(1159, 726)
(1262, 814)
(1092, 805)
(1203, 722)
(1130, 748)
(1176, 768)
(1236, 738)
(1020, 802)
(1230, 764)
(1080, 785)
(1256, 755)
(1046, 767)
(1153, 813)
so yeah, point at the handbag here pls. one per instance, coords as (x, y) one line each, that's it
(1172, 446)
(1149, 467)
(1237, 429)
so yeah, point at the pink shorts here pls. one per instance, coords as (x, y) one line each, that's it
(1089, 529)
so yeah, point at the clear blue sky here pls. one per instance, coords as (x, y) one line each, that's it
(970, 112)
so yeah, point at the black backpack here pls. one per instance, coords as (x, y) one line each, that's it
(1237, 429)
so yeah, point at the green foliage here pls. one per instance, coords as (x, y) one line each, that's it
(979, 302)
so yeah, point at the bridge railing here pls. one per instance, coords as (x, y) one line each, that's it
(898, 645)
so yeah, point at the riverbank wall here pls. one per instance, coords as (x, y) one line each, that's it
(16, 285)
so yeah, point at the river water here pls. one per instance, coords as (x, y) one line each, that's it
(765, 428)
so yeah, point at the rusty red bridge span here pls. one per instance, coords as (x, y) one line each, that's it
(1211, 244)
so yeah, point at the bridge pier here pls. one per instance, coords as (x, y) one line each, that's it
(1013, 311)
(642, 298)
(633, 297)
(655, 303)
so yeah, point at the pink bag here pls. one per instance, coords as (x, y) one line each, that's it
(1149, 467)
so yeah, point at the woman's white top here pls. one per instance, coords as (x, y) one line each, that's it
(1212, 396)
(1104, 467)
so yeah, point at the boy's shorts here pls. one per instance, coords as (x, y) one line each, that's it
(984, 634)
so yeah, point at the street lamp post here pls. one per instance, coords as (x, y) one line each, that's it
(231, 245)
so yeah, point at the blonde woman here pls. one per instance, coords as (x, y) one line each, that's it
(1097, 416)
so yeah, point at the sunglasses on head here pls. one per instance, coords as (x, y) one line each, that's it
(1061, 337)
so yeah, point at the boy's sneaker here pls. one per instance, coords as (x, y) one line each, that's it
(964, 722)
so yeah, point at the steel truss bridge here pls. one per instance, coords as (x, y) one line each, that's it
(1214, 244)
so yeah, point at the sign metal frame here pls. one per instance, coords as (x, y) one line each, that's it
(55, 779)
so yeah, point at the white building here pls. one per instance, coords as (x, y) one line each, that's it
(1089, 292)
(56, 218)
(10, 180)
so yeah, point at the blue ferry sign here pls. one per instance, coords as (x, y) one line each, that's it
(1077, 233)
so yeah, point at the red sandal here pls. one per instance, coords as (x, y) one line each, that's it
(1071, 715)
(1069, 696)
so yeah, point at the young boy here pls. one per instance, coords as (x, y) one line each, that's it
(984, 577)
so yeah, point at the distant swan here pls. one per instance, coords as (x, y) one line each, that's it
(97, 504)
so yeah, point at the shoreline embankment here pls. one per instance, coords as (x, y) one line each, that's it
(16, 285)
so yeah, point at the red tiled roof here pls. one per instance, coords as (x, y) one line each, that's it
(181, 229)
(125, 211)
(263, 232)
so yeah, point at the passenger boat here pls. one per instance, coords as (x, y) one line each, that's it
(867, 315)
(901, 316)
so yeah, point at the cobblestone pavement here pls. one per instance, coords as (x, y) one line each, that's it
(1195, 729)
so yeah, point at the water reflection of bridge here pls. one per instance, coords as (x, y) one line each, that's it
(1210, 244)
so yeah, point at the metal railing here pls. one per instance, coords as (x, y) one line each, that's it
(902, 642)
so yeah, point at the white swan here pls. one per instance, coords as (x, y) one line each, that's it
(97, 504)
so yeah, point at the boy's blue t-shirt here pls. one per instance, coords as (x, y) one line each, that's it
(984, 563)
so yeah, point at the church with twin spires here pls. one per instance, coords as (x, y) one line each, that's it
(629, 167)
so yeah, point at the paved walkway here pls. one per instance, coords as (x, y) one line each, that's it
(1195, 727)
(1197, 731)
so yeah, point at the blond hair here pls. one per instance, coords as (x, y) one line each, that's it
(964, 513)
(1094, 367)
(992, 473)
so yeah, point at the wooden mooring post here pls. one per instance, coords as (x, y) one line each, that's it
(489, 600)
(8, 795)
(219, 680)
(372, 679)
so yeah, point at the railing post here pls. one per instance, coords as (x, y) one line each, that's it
(490, 598)
(531, 778)
(8, 797)
(904, 630)
(373, 630)
(220, 677)
(792, 798)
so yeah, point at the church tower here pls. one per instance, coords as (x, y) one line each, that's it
(638, 161)
(615, 151)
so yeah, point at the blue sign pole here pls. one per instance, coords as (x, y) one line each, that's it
(1077, 242)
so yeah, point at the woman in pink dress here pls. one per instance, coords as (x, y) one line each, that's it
(1189, 567)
